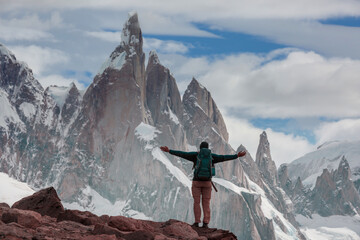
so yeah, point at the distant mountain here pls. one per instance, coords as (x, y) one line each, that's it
(324, 182)
(328, 156)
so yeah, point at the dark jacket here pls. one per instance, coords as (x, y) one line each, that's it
(192, 156)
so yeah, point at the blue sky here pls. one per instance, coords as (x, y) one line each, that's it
(288, 67)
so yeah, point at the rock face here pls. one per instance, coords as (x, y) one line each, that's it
(103, 147)
(264, 161)
(41, 223)
(335, 193)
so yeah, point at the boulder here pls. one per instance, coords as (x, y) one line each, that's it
(25, 218)
(85, 218)
(45, 202)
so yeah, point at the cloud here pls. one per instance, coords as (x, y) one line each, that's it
(162, 46)
(29, 27)
(164, 24)
(39, 59)
(331, 40)
(346, 129)
(292, 23)
(106, 36)
(58, 80)
(284, 147)
(208, 9)
(283, 84)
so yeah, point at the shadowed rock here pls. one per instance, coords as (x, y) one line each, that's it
(45, 202)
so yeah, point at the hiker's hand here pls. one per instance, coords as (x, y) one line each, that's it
(241, 154)
(165, 149)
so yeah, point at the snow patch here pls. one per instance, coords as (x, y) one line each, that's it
(176, 172)
(6, 52)
(59, 94)
(146, 132)
(7, 111)
(12, 190)
(116, 62)
(231, 186)
(28, 109)
(93, 202)
(330, 228)
(271, 212)
(172, 116)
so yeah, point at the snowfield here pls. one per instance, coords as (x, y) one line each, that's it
(330, 228)
(12, 190)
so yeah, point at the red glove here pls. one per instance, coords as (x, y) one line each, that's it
(241, 154)
(165, 149)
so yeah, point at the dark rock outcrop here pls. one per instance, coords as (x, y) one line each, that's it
(71, 224)
(45, 202)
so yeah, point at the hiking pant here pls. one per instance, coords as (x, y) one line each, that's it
(201, 189)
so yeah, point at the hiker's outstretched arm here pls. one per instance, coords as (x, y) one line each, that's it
(223, 158)
(191, 156)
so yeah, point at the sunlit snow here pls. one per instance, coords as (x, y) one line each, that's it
(12, 190)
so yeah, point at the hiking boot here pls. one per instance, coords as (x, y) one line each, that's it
(195, 224)
(205, 225)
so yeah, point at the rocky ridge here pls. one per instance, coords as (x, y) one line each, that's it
(334, 192)
(42, 216)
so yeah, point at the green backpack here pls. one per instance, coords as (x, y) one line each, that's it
(204, 168)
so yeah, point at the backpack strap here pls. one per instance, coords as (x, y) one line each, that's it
(212, 183)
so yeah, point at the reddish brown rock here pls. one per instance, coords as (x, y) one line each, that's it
(45, 202)
(85, 218)
(28, 219)
(73, 224)
(177, 228)
(4, 205)
(102, 237)
(129, 224)
(101, 229)
(15, 231)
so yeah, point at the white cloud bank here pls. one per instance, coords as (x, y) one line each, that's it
(206, 9)
(346, 129)
(39, 58)
(29, 27)
(285, 83)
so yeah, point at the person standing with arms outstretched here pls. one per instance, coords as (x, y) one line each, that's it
(204, 169)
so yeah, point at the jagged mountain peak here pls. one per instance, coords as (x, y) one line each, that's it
(343, 171)
(162, 94)
(131, 45)
(299, 184)
(264, 142)
(131, 33)
(198, 99)
(153, 58)
(4, 51)
(264, 161)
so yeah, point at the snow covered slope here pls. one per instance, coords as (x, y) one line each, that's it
(330, 228)
(328, 155)
(12, 190)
